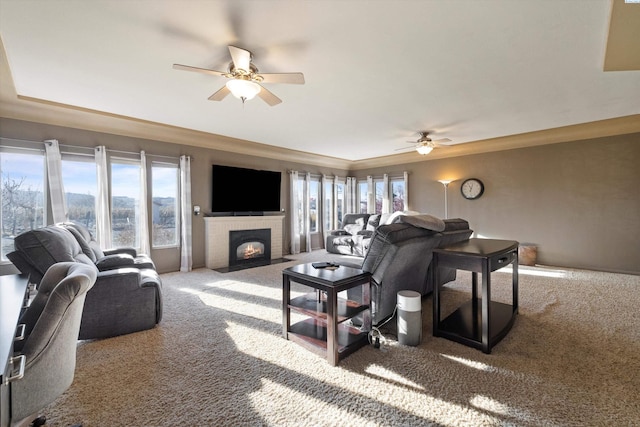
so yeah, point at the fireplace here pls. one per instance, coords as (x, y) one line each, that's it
(249, 248)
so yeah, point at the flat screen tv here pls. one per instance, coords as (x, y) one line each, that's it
(241, 191)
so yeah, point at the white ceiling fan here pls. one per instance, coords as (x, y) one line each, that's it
(424, 145)
(244, 78)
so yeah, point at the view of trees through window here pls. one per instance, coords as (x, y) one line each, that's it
(362, 196)
(314, 185)
(164, 184)
(23, 185)
(22, 181)
(397, 192)
(327, 207)
(125, 203)
(80, 183)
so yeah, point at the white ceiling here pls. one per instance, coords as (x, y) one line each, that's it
(376, 71)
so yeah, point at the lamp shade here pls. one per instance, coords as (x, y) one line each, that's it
(424, 149)
(243, 89)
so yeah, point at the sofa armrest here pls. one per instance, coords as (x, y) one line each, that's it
(365, 233)
(338, 233)
(110, 262)
(129, 251)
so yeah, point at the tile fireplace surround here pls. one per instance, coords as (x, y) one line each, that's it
(217, 235)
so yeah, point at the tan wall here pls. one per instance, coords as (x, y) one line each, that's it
(578, 201)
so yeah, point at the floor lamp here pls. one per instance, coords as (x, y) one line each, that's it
(446, 183)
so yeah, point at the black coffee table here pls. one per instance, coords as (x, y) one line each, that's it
(480, 322)
(325, 329)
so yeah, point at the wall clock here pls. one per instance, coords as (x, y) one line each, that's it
(472, 188)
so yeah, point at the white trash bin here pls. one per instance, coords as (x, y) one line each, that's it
(409, 318)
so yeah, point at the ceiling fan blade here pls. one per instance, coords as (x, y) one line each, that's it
(241, 58)
(268, 97)
(198, 70)
(405, 148)
(221, 94)
(441, 142)
(292, 78)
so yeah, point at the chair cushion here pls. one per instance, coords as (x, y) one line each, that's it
(354, 228)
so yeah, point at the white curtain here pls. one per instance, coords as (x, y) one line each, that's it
(351, 195)
(54, 175)
(143, 221)
(371, 196)
(186, 257)
(307, 211)
(103, 213)
(295, 214)
(386, 203)
(336, 218)
(406, 191)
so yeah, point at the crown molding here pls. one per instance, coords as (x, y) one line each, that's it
(596, 129)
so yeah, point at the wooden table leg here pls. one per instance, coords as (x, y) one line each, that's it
(286, 311)
(486, 303)
(436, 295)
(332, 327)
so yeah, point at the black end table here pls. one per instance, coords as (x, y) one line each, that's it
(324, 329)
(480, 322)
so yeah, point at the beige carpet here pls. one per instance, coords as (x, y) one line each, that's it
(218, 358)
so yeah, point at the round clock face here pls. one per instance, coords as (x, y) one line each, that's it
(472, 188)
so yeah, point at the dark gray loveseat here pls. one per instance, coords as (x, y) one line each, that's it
(124, 299)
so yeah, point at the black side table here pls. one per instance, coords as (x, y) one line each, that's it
(480, 322)
(326, 330)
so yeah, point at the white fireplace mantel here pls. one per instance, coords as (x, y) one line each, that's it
(217, 235)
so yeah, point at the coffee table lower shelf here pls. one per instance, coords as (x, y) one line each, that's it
(464, 325)
(312, 334)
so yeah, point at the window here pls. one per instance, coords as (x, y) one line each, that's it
(340, 200)
(125, 203)
(397, 193)
(363, 189)
(80, 187)
(313, 205)
(379, 190)
(164, 190)
(300, 207)
(23, 195)
(327, 208)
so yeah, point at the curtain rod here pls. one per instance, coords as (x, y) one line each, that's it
(15, 140)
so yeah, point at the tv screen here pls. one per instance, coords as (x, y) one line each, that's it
(240, 191)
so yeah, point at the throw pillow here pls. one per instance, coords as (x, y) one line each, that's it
(426, 221)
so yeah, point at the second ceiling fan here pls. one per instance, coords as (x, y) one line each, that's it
(244, 78)
(424, 145)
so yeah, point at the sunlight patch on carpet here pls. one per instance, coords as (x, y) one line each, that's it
(488, 404)
(535, 271)
(327, 409)
(390, 376)
(383, 390)
(234, 305)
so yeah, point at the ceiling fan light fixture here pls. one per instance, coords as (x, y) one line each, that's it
(243, 89)
(424, 148)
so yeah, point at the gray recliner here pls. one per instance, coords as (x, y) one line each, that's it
(123, 300)
(52, 323)
(398, 259)
(107, 259)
